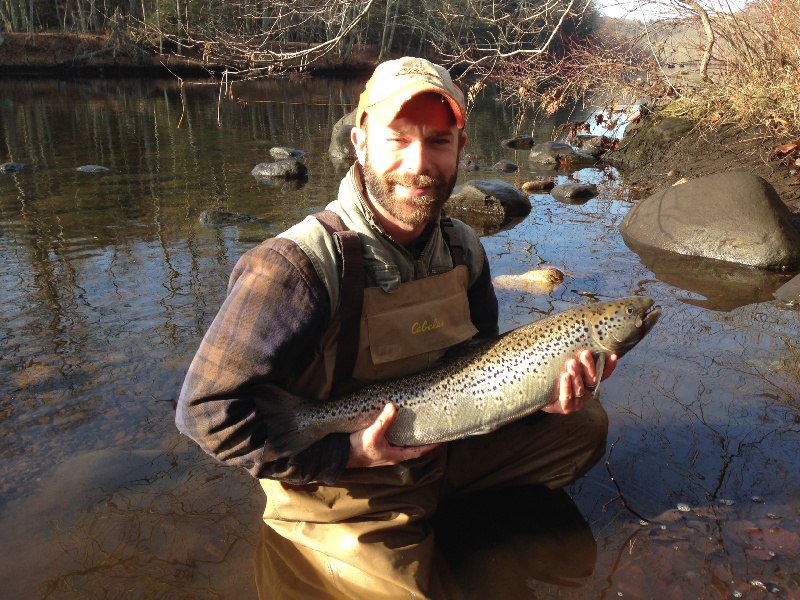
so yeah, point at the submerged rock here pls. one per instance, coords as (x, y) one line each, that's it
(220, 218)
(559, 153)
(542, 279)
(789, 292)
(92, 169)
(11, 167)
(539, 185)
(468, 165)
(282, 152)
(574, 193)
(288, 168)
(519, 142)
(506, 166)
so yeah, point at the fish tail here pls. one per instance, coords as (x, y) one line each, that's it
(279, 412)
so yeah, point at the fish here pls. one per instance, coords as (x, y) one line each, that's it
(473, 390)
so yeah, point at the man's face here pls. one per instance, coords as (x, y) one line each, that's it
(410, 165)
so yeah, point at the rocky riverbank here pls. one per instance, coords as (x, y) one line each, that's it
(660, 152)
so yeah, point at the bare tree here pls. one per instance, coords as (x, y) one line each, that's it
(265, 37)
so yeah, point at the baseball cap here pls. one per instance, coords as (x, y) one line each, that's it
(395, 82)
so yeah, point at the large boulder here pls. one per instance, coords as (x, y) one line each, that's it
(734, 216)
(789, 292)
(558, 153)
(341, 149)
(491, 203)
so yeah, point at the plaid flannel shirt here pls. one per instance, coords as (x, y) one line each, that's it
(273, 317)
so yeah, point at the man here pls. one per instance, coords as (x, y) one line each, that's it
(353, 507)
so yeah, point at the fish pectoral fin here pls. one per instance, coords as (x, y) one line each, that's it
(599, 365)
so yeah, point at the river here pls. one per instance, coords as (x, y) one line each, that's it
(108, 282)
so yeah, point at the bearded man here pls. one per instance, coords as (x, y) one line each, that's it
(352, 509)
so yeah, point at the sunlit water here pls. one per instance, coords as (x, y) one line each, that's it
(108, 282)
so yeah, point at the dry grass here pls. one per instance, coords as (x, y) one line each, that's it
(756, 76)
(753, 78)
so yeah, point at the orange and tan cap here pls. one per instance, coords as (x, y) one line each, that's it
(395, 82)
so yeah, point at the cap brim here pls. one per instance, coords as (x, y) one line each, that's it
(386, 110)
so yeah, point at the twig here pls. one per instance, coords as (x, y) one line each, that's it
(619, 491)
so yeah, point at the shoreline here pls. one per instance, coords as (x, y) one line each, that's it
(84, 55)
(649, 163)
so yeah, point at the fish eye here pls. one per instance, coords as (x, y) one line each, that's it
(629, 310)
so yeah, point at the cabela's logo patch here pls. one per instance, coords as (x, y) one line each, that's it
(426, 326)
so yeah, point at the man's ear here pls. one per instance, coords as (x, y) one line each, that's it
(359, 139)
(463, 141)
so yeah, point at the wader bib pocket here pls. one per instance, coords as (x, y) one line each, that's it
(408, 330)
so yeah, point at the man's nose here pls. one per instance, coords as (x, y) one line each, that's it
(415, 158)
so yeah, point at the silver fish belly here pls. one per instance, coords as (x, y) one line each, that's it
(475, 391)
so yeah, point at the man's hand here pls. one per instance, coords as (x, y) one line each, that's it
(577, 382)
(369, 448)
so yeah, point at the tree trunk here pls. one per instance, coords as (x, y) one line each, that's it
(709, 31)
(384, 49)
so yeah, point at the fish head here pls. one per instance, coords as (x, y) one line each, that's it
(618, 325)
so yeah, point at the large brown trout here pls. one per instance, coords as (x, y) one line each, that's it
(472, 391)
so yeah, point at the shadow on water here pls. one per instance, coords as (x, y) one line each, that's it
(720, 285)
(497, 543)
(109, 280)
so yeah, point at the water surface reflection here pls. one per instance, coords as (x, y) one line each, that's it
(108, 282)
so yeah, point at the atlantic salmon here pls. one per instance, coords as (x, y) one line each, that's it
(470, 391)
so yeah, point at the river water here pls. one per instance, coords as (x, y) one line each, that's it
(108, 281)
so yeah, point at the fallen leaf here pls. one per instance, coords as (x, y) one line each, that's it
(785, 149)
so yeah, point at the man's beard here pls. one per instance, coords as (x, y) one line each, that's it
(413, 210)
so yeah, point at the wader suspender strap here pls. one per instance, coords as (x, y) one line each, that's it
(453, 241)
(351, 295)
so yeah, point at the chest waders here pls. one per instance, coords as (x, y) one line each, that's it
(369, 536)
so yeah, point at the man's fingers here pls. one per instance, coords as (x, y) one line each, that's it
(611, 364)
(381, 424)
(589, 368)
(576, 374)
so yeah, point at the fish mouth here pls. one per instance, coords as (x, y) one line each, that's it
(649, 317)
